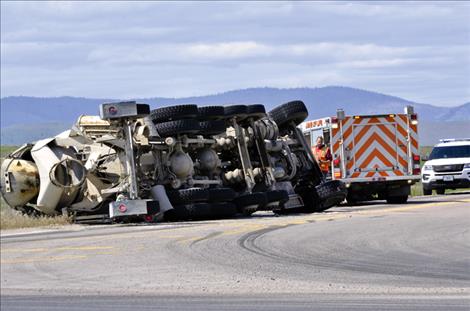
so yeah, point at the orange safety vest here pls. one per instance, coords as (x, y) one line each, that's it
(320, 156)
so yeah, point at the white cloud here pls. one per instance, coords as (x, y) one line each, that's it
(394, 10)
(228, 50)
(125, 49)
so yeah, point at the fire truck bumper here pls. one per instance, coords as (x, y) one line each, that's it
(410, 179)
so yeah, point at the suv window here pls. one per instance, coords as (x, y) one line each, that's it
(450, 152)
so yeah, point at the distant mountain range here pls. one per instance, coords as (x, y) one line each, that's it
(30, 118)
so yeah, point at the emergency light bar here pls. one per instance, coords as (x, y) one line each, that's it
(390, 115)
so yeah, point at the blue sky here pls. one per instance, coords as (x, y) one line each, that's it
(416, 50)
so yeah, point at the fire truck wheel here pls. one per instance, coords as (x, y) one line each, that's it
(186, 196)
(427, 191)
(174, 113)
(294, 111)
(211, 112)
(173, 128)
(401, 199)
(352, 200)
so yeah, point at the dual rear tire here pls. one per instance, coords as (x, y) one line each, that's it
(292, 112)
(401, 199)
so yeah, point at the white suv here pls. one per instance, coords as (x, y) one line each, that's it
(448, 166)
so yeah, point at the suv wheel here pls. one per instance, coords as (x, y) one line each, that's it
(401, 199)
(427, 191)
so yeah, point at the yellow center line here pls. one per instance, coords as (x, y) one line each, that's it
(83, 248)
(66, 248)
(144, 233)
(189, 239)
(19, 250)
(42, 259)
(244, 228)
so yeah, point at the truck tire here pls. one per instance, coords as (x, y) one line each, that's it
(275, 200)
(211, 113)
(401, 199)
(280, 196)
(194, 211)
(172, 113)
(238, 111)
(247, 204)
(200, 211)
(440, 190)
(223, 210)
(179, 212)
(256, 112)
(186, 196)
(330, 193)
(351, 199)
(427, 191)
(212, 127)
(173, 128)
(294, 111)
(221, 194)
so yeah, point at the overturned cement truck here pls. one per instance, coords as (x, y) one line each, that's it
(172, 163)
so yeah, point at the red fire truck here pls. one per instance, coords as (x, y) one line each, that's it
(377, 156)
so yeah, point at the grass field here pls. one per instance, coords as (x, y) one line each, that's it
(5, 150)
(11, 219)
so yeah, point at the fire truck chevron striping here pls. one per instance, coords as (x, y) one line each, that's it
(374, 151)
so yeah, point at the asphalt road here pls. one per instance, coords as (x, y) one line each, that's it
(370, 257)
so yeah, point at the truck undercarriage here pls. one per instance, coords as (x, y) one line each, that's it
(172, 163)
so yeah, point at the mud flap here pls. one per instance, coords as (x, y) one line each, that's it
(126, 208)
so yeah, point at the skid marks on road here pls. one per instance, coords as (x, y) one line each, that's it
(411, 207)
(244, 227)
(190, 235)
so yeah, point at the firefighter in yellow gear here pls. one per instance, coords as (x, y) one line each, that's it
(322, 155)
